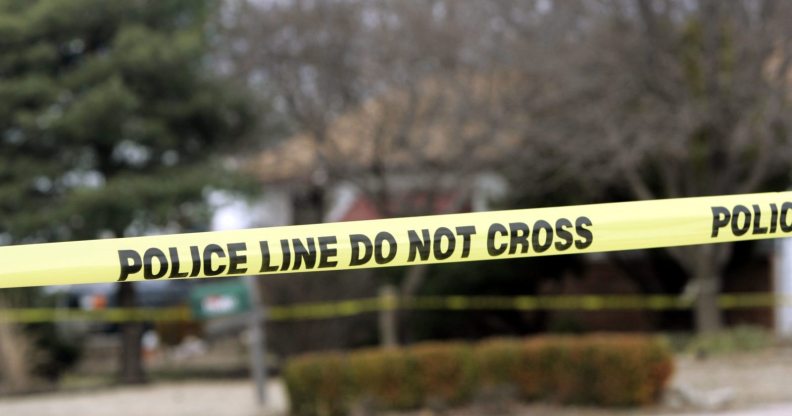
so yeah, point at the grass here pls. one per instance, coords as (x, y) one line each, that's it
(741, 338)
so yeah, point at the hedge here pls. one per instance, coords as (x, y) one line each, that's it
(605, 370)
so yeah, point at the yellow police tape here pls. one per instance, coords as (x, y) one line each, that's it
(403, 241)
(352, 307)
(325, 310)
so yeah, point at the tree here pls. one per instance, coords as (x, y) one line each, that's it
(669, 99)
(603, 99)
(109, 117)
(393, 97)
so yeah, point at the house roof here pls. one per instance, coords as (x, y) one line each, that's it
(443, 124)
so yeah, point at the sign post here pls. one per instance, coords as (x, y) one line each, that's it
(236, 298)
(258, 359)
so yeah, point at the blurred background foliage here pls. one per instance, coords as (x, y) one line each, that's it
(122, 118)
(110, 114)
(112, 119)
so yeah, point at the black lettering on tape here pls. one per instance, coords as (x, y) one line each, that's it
(738, 229)
(213, 249)
(266, 259)
(355, 241)
(195, 256)
(466, 231)
(303, 254)
(721, 217)
(286, 250)
(757, 227)
(327, 251)
(539, 245)
(379, 249)
(419, 246)
(175, 264)
(565, 237)
(496, 230)
(519, 237)
(580, 229)
(785, 208)
(130, 262)
(148, 264)
(438, 251)
(236, 258)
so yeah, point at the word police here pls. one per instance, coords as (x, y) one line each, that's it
(382, 248)
(741, 220)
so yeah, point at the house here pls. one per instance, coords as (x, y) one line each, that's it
(430, 148)
(427, 149)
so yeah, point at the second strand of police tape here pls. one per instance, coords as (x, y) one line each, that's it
(352, 307)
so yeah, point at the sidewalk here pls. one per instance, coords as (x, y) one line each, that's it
(784, 409)
(227, 398)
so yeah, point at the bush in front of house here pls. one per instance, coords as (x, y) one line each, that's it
(320, 384)
(445, 372)
(605, 370)
(385, 378)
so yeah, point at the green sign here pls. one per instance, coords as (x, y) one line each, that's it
(215, 300)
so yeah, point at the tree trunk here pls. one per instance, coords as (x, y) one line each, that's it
(413, 279)
(708, 284)
(15, 353)
(387, 316)
(131, 365)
